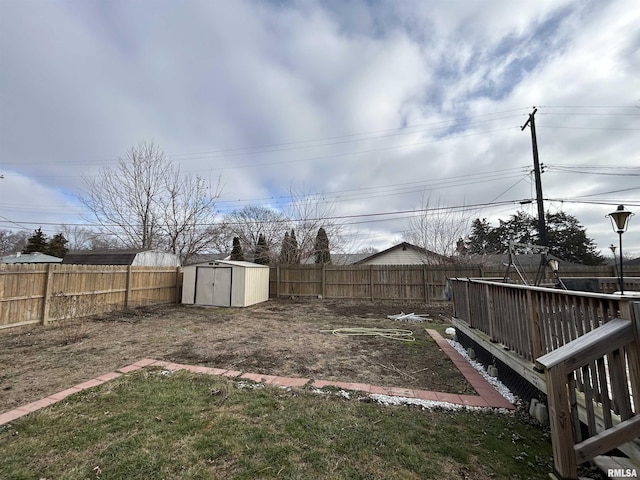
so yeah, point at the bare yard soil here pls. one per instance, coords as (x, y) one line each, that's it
(280, 337)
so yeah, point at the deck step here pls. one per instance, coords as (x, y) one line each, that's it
(617, 467)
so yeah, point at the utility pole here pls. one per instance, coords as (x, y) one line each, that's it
(542, 231)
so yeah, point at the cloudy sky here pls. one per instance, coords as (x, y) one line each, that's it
(374, 105)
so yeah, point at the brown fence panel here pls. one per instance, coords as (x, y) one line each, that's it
(371, 282)
(21, 294)
(32, 294)
(353, 282)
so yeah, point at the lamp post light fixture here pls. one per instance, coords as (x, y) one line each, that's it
(554, 265)
(620, 222)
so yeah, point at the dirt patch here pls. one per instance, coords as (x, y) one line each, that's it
(279, 337)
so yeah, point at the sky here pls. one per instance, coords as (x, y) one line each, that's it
(378, 108)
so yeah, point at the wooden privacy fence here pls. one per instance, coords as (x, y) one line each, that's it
(45, 293)
(371, 282)
(406, 282)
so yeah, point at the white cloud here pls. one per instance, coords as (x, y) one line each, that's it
(82, 81)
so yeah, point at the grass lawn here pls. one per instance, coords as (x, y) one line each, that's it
(153, 425)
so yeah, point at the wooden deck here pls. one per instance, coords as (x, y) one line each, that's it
(581, 349)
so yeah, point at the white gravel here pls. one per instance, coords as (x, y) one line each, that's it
(497, 384)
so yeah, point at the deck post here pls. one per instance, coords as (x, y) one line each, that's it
(533, 324)
(467, 287)
(633, 355)
(491, 317)
(562, 435)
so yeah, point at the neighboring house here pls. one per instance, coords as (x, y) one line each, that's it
(35, 257)
(404, 254)
(133, 257)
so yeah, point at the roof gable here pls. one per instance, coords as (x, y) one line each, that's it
(405, 246)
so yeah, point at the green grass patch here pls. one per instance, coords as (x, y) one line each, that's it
(147, 425)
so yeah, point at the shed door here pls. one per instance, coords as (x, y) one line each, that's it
(213, 286)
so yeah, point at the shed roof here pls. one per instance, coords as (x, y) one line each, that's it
(103, 257)
(236, 263)
(34, 257)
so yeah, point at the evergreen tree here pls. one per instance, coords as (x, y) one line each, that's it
(566, 238)
(294, 251)
(321, 248)
(482, 238)
(57, 246)
(36, 242)
(284, 250)
(262, 251)
(236, 250)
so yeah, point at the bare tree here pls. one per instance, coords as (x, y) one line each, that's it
(249, 222)
(85, 238)
(146, 203)
(188, 214)
(12, 242)
(309, 213)
(124, 200)
(438, 228)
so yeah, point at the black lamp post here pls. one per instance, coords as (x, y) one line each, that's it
(620, 221)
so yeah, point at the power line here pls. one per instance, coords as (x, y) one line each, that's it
(404, 213)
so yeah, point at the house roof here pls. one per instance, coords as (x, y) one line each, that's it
(103, 257)
(402, 246)
(34, 257)
(337, 258)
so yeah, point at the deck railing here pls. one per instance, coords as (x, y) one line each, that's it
(532, 321)
(598, 373)
(587, 345)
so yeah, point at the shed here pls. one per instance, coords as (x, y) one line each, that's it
(225, 283)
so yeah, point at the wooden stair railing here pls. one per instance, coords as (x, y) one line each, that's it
(605, 364)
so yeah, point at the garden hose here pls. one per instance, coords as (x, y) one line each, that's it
(391, 333)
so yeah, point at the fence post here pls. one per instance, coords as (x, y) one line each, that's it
(46, 300)
(424, 284)
(178, 285)
(278, 281)
(127, 295)
(324, 280)
(371, 282)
